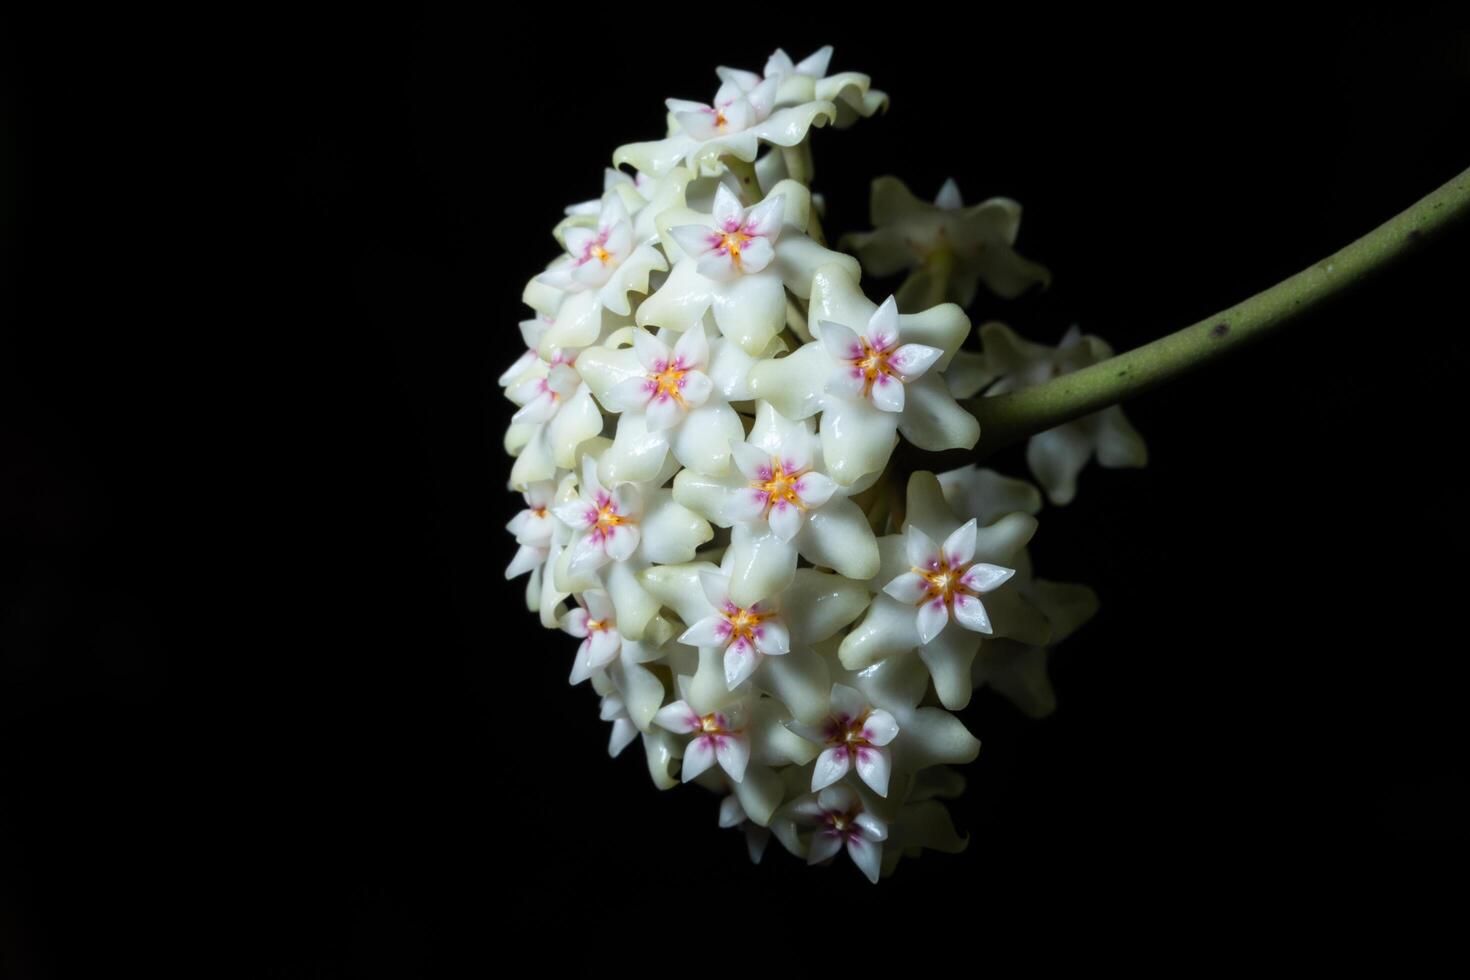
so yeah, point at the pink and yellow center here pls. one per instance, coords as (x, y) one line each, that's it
(669, 382)
(944, 582)
(744, 624)
(781, 487)
(598, 625)
(873, 364)
(712, 724)
(608, 517)
(853, 737)
(600, 254)
(733, 242)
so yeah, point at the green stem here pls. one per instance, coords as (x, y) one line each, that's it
(750, 185)
(940, 266)
(798, 160)
(1009, 418)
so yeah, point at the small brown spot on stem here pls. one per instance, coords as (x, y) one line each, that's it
(1220, 329)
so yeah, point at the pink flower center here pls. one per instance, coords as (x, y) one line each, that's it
(730, 243)
(668, 381)
(842, 730)
(842, 823)
(596, 250)
(745, 624)
(945, 582)
(607, 515)
(781, 486)
(714, 723)
(873, 362)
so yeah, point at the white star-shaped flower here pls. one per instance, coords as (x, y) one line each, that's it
(744, 634)
(802, 81)
(859, 423)
(732, 814)
(614, 535)
(853, 735)
(1017, 670)
(657, 415)
(555, 416)
(605, 522)
(602, 265)
(814, 607)
(841, 820)
(534, 526)
(1057, 456)
(530, 361)
(737, 263)
(735, 124)
(779, 504)
(535, 532)
(949, 247)
(604, 651)
(869, 361)
(719, 736)
(673, 383)
(946, 582)
(611, 708)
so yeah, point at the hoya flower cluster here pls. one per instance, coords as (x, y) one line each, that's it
(708, 410)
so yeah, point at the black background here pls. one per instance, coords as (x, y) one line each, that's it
(268, 707)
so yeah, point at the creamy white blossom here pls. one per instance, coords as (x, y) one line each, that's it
(732, 814)
(802, 81)
(854, 734)
(744, 634)
(946, 582)
(736, 123)
(624, 731)
(840, 821)
(707, 404)
(779, 504)
(857, 431)
(948, 247)
(918, 618)
(1056, 457)
(735, 265)
(718, 737)
(669, 401)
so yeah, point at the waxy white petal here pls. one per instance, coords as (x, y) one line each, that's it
(741, 660)
(831, 766)
(677, 717)
(970, 613)
(772, 638)
(699, 755)
(710, 631)
(874, 768)
(825, 843)
(910, 588)
(733, 753)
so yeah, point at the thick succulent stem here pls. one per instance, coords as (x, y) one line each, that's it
(941, 266)
(798, 160)
(1009, 418)
(750, 185)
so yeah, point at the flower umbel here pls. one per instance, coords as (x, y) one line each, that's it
(708, 407)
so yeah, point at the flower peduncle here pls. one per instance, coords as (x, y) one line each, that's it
(1009, 418)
